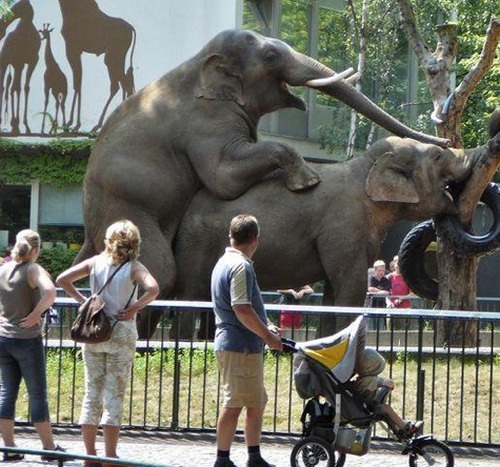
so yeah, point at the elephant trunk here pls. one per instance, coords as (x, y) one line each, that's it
(346, 93)
(327, 81)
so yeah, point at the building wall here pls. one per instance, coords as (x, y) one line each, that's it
(166, 33)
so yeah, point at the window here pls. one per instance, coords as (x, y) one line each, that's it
(313, 27)
(15, 202)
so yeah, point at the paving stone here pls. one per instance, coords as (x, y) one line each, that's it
(198, 450)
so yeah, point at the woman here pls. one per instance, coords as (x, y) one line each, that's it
(26, 291)
(108, 364)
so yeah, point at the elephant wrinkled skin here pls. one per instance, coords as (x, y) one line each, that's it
(197, 126)
(332, 232)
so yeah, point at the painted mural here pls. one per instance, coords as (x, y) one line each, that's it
(65, 64)
(85, 29)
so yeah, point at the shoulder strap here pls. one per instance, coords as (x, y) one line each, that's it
(131, 295)
(111, 277)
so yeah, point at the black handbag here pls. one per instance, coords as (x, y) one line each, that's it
(91, 325)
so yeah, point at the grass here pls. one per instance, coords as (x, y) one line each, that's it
(458, 402)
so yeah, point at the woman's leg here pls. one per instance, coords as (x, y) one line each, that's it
(31, 359)
(89, 435)
(111, 435)
(118, 367)
(7, 429)
(10, 379)
(95, 372)
(44, 430)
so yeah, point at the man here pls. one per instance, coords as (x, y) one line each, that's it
(379, 284)
(379, 287)
(242, 329)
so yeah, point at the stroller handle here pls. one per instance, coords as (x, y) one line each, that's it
(289, 345)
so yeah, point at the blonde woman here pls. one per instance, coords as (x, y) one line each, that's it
(26, 291)
(108, 364)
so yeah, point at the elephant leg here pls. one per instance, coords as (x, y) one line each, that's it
(157, 256)
(331, 323)
(193, 283)
(343, 287)
(184, 324)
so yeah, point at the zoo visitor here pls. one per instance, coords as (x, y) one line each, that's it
(108, 364)
(242, 329)
(26, 291)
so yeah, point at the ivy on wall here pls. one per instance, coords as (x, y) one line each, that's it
(60, 163)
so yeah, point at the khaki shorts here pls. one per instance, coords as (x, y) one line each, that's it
(242, 379)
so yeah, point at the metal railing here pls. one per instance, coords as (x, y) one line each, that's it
(175, 383)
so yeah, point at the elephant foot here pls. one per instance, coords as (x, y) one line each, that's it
(306, 177)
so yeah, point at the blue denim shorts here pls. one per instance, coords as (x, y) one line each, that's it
(23, 359)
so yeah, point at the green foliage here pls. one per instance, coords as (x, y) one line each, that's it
(386, 80)
(56, 260)
(60, 163)
(473, 19)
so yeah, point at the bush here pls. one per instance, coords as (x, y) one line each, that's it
(56, 260)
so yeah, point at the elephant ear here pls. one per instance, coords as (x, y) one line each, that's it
(390, 181)
(220, 80)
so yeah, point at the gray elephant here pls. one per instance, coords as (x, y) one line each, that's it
(332, 232)
(197, 127)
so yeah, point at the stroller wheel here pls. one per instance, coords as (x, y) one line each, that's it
(427, 452)
(313, 451)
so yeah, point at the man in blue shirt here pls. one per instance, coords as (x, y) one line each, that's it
(242, 330)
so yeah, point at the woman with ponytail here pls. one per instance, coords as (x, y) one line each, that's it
(26, 291)
(108, 364)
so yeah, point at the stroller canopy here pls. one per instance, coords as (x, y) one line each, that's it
(338, 352)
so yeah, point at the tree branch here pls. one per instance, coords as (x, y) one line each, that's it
(483, 66)
(409, 24)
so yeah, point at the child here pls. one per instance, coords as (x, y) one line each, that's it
(370, 387)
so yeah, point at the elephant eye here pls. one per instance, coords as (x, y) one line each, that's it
(437, 157)
(271, 57)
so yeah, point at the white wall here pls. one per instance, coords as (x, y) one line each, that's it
(168, 32)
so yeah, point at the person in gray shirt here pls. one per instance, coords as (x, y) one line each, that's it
(242, 330)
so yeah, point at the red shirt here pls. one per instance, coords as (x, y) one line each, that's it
(399, 287)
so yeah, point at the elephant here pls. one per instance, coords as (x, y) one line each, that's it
(332, 232)
(412, 249)
(196, 127)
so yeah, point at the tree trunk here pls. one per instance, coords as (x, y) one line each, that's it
(456, 292)
(457, 276)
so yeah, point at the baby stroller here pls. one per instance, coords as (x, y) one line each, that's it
(343, 423)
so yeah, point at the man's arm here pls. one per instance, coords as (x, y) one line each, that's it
(249, 318)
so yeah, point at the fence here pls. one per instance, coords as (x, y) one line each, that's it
(175, 383)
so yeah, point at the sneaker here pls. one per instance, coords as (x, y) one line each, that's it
(12, 456)
(49, 458)
(259, 463)
(411, 429)
(224, 463)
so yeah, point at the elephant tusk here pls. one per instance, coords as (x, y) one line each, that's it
(352, 79)
(449, 195)
(330, 79)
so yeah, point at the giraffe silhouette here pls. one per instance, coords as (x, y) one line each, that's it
(54, 82)
(87, 29)
(19, 51)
